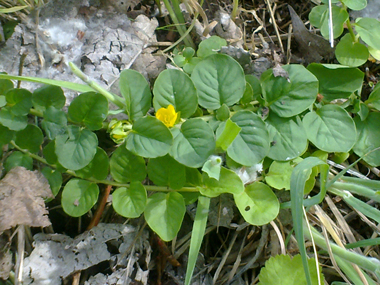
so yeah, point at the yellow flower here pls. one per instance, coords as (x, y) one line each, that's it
(167, 115)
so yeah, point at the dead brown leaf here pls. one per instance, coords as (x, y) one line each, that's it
(313, 48)
(21, 199)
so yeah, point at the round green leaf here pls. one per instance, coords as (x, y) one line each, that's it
(77, 149)
(3, 100)
(257, 204)
(212, 166)
(219, 80)
(287, 136)
(279, 174)
(165, 171)
(368, 138)
(284, 270)
(374, 98)
(336, 81)
(223, 113)
(193, 177)
(126, 167)
(194, 143)
(5, 85)
(248, 94)
(18, 158)
(12, 122)
(48, 96)
(6, 135)
(188, 52)
(54, 177)
(54, 122)
(78, 197)
(255, 84)
(174, 87)
(355, 4)
(210, 46)
(351, 53)
(30, 138)
(251, 145)
(375, 53)
(190, 65)
(330, 129)
(136, 92)
(319, 17)
(97, 168)
(149, 138)
(226, 134)
(289, 98)
(368, 29)
(130, 202)
(229, 182)
(19, 101)
(89, 108)
(164, 214)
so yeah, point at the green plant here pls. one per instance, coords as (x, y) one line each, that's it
(208, 138)
(350, 50)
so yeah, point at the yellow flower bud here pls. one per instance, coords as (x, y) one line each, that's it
(167, 115)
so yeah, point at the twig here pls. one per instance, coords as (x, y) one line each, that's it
(20, 67)
(99, 211)
(20, 253)
(275, 26)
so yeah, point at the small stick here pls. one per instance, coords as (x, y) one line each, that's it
(20, 67)
(99, 211)
(20, 253)
(275, 26)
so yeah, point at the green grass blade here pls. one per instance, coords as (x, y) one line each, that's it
(298, 180)
(197, 234)
(12, 10)
(362, 207)
(65, 84)
(373, 184)
(351, 273)
(340, 174)
(368, 263)
(364, 243)
(359, 190)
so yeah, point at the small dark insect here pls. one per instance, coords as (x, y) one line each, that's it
(273, 143)
(80, 35)
(247, 208)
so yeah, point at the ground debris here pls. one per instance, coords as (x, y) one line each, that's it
(21, 199)
(57, 256)
(313, 48)
(100, 40)
(6, 263)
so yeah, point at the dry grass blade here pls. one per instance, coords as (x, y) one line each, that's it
(327, 223)
(275, 25)
(280, 237)
(238, 259)
(224, 258)
(341, 221)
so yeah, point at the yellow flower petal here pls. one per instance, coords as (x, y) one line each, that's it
(167, 115)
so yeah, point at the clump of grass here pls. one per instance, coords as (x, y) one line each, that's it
(18, 9)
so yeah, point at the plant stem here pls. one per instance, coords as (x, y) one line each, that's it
(235, 4)
(351, 30)
(114, 99)
(106, 182)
